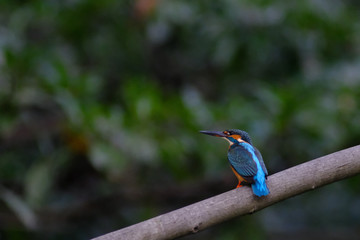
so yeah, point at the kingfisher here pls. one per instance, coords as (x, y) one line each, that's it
(245, 160)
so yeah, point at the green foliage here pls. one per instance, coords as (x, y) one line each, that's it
(102, 102)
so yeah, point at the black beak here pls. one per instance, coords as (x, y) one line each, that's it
(214, 133)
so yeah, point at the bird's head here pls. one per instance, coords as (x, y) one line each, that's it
(231, 135)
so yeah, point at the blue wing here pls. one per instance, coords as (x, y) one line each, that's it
(242, 161)
(258, 155)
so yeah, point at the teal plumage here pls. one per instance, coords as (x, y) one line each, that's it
(242, 161)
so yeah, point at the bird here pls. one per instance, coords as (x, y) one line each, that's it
(245, 160)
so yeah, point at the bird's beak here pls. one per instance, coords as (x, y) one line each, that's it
(214, 133)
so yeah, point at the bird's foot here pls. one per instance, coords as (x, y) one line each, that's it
(243, 183)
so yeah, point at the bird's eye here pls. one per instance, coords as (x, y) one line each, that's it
(227, 133)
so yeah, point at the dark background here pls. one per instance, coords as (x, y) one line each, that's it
(101, 103)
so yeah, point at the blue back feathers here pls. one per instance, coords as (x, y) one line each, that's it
(259, 186)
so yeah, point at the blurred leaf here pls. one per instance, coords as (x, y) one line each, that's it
(38, 183)
(22, 210)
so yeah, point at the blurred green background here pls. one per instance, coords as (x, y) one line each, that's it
(101, 104)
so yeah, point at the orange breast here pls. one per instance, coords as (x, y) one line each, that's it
(240, 178)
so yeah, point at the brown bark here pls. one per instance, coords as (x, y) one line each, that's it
(288, 183)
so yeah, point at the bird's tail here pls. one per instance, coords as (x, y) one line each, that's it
(259, 187)
(260, 190)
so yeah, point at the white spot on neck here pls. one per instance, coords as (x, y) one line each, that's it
(231, 143)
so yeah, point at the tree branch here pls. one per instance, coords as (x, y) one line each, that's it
(241, 201)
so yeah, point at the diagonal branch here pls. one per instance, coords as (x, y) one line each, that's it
(237, 202)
